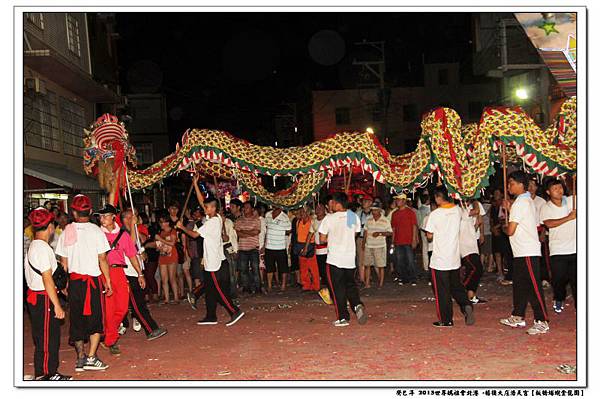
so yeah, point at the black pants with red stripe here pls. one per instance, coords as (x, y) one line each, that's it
(137, 304)
(473, 269)
(564, 271)
(546, 264)
(322, 263)
(527, 287)
(217, 291)
(343, 287)
(45, 329)
(447, 285)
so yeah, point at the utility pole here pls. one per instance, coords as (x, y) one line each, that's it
(377, 68)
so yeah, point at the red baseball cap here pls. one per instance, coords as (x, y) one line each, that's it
(81, 203)
(367, 197)
(41, 217)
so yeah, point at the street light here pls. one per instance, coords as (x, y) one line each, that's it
(370, 130)
(522, 94)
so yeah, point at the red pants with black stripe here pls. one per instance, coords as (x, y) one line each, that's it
(527, 288)
(116, 305)
(45, 329)
(473, 269)
(217, 291)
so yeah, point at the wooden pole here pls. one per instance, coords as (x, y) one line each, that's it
(349, 180)
(504, 180)
(187, 200)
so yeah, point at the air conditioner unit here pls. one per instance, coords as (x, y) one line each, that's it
(35, 86)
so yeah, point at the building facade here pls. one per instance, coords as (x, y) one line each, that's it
(337, 111)
(503, 51)
(60, 99)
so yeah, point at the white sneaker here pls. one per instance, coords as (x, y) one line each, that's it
(137, 327)
(122, 329)
(539, 327)
(341, 323)
(513, 321)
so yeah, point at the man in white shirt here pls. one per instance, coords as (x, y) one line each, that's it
(525, 243)
(276, 259)
(560, 218)
(215, 264)
(42, 298)
(363, 214)
(376, 230)
(443, 227)
(137, 283)
(338, 230)
(83, 250)
(539, 202)
(469, 251)
(423, 211)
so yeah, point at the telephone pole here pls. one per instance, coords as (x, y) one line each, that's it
(377, 68)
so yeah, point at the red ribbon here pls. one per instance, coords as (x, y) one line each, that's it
(32, 296)
(440, 114)
(87, 305)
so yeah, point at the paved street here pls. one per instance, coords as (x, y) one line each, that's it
(290, 337)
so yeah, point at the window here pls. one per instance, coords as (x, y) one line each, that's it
(144, 153)
(342, 116)
(72, 120)
(475, 110)
(36, 18)
(73, 35)
(409, 113)
(442, 77)
(40, 116)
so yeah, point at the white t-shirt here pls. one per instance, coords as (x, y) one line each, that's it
(444, 223)
(213, 243)
(341, 245)
(129, 270)
(563, 239)
(83, 255)
(468, 235)
(429, 243)
(525, 241)
(42, 257)
(539, 202)
(486, 220)
(474, 218)
(382, 225)
(276, 230)
(232, 235)
(319, 251)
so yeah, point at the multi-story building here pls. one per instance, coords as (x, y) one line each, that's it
(358, 109)
(146, 123)
(60, 99)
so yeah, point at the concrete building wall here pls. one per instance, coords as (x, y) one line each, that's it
(406, 107)
(52, 29)
(70, 158)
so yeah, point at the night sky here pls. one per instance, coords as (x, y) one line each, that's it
(229, 71)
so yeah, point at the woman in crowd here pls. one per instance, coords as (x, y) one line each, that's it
(167, 260)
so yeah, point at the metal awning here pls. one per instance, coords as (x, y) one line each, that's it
(50, 63)
(55, 174)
